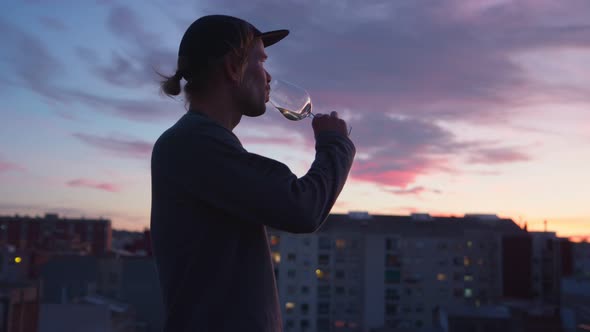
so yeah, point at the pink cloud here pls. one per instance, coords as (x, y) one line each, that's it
(366, 171)
(498, 156)
(125, 147)
(398, 150)
(87, 183)
(6, 166)
(414, 191)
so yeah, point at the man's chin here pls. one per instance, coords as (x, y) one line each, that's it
(257, 113)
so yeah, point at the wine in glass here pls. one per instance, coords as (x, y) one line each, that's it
(291, 100)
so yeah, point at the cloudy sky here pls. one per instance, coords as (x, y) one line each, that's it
(479, 106)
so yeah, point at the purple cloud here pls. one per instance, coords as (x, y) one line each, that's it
(53, 23)
(88, 55)
(36, 68)
(139, 110)
(32, 62)
(427, 59)
(88, 183)
(143, 58)
(395, 151)
(125, 147)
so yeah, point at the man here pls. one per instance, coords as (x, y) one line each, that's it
(212, 199)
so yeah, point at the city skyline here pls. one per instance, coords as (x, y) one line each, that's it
(455, 108)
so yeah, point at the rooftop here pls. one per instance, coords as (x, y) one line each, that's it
(419, 224)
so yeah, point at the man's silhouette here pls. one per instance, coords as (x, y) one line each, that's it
(212, 199)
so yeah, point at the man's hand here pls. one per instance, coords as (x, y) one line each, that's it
(323, 122)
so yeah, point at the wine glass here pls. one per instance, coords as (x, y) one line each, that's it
(292, 101)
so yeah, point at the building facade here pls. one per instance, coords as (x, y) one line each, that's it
(361, 272)
(52, 233)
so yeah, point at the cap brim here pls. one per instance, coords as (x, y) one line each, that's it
(273, 37)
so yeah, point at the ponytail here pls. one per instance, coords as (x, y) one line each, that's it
(171, 84)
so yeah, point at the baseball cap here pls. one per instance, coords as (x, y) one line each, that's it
(212, 36)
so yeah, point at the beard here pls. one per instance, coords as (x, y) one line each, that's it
(251, 102)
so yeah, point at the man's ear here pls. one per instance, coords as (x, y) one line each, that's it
(232, 68)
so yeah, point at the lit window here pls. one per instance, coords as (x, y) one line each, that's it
(17, 259)
(289, 307)
(469, 244)
(468, 277)
(466, 261)
(339, 323)
(320, 274)
(274, 240)
(276, 257)
(441, 277)
(340, 243)
(468, 293)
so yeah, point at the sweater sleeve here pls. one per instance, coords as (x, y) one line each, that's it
(252, 188)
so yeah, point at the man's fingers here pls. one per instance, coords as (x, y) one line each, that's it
(334, 114)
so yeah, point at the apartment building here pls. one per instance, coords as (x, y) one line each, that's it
(361, 272)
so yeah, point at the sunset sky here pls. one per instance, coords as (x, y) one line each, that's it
(456, 106)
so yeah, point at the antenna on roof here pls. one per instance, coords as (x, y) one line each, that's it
(545, 223)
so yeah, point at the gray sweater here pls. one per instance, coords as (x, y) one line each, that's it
(211, 202)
